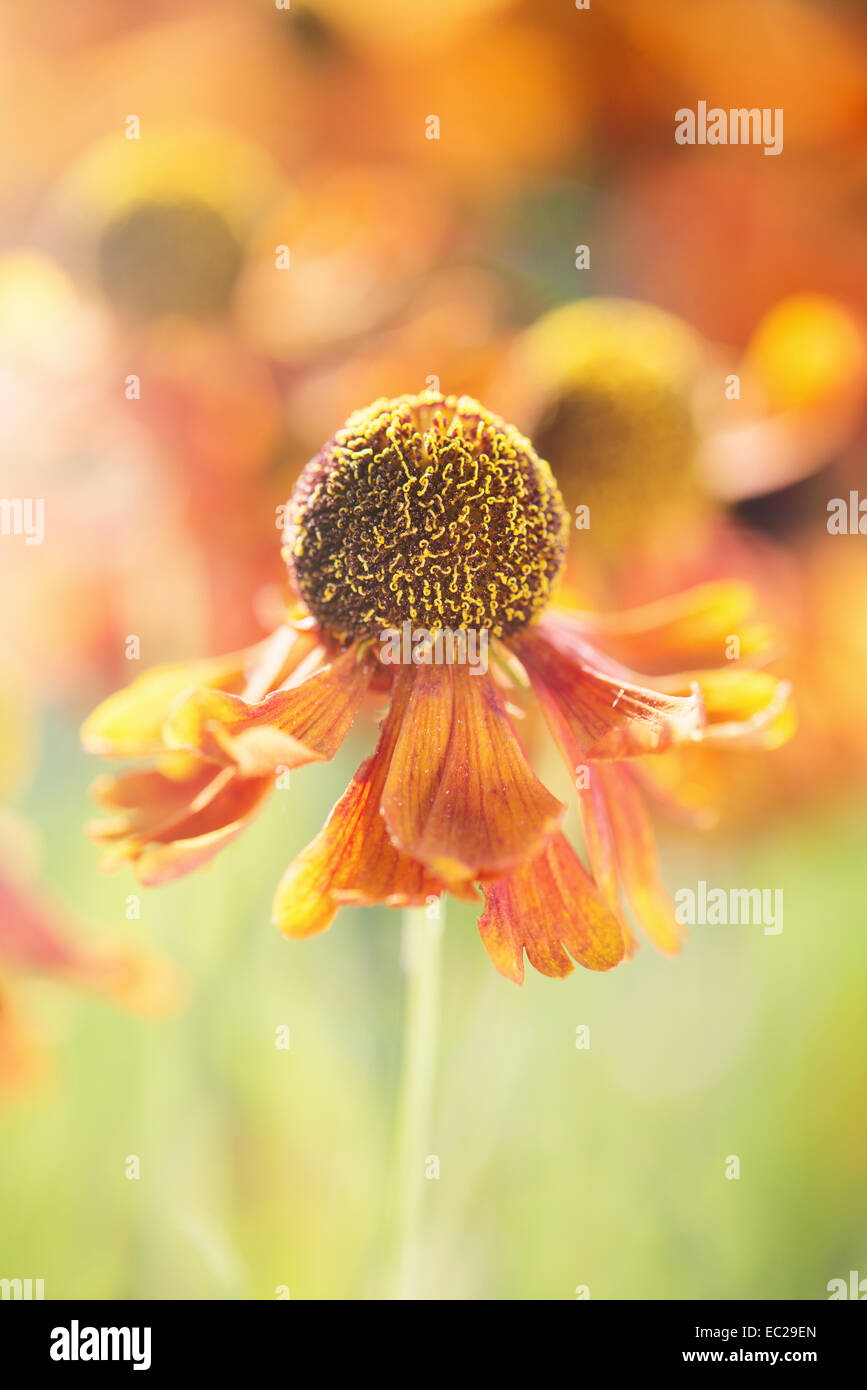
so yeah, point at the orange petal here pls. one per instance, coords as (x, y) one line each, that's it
(304, 723)
(145, 803)
(637, 861)
(595, 821)
(745, 708)
(129, 723)
(547, 907)
(688, 786)
(215, 819)
(353, 859)
(178, 825)
(419, 755)
(487, 808)
(609, 715)
(277, 660)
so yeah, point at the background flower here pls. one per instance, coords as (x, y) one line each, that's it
(419, 262)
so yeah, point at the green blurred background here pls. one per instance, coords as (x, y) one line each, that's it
(559, 1167)
(264, 1169)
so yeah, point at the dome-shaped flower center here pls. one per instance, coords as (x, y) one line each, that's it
(426, 509)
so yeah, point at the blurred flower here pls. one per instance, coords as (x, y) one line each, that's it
(40, 939)
(609, 389)
(803, 392)
(632, 405)
(692, 212)
(428, 515)
(350, 268)
(111, 509)
(161, 223)
(824, 619)
(455, 330)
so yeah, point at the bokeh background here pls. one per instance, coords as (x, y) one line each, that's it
(155, 161)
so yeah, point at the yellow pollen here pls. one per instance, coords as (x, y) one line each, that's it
(426, 509)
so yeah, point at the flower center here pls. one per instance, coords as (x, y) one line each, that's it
(617, 381)
(426, 509)
(165, 258)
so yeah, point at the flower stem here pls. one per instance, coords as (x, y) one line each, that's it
(420, 959)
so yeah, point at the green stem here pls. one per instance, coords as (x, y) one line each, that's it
(420, 959)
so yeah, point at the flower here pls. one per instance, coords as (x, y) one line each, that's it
(162, 225)
(611, 389)
(428, 514)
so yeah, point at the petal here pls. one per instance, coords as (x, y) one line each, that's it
(419, 754)
(353, 858)
(595, 820)
(688, 786)
(637, 861)
(478, 808)
(745, 709)
(129, 723)
(689, 628)
(304, 723)
(547, 907)
(188, 843)
(277, 660)
(176, 832)
(609, 715)
(144, 803)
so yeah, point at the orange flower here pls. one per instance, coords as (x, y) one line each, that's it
(39, 939)
(426, 528)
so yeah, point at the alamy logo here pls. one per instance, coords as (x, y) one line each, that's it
(76, 1343)
(22, 1288)
(856, 1288)
(23, 516)
(847, 517)
(409, 646)
(724, 907)
(736, 126)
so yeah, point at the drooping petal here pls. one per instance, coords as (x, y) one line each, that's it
(620, 843)
(609, 714)
(688, 786)
(547, 907)
(278, 659)
(144, 803)
(745, 708)
(419, 755)
(353, 859)
(637, 861)
(304, 723)
(178, 831)
(595, 820)
(129, 723)
(478, 808)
